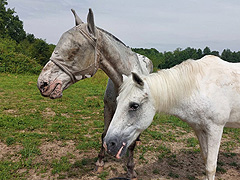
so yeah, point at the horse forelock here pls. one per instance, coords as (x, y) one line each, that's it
(128, 86)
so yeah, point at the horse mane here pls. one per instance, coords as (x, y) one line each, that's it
(174, 84)
(111, 35)
(168, 86)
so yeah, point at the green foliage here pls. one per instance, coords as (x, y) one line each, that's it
(155, 56)
(15, 62)
(37, 49)
(170, 59)
(20, 52)
(10, 25)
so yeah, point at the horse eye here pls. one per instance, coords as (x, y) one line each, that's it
(133, 106)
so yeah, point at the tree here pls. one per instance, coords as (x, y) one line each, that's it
(215, 53)
(19, 50)
(170, 59)
(226, 54)
(206, 51)
(10, 25)
(14, 27)
(3, 3)
(199, 53)
(153, 54)
(12, 61)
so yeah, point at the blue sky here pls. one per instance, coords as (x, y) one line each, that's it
(164, 25)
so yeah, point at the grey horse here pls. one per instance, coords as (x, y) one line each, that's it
(78, 55)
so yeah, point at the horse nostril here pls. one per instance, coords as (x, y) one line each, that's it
(112, 144)
(43, 85)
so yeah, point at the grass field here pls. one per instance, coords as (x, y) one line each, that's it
(42, 138)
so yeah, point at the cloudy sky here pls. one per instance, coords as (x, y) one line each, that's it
(161, 24)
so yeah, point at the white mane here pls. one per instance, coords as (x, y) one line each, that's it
(168, 86)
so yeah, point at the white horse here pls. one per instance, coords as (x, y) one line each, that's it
(205, 93)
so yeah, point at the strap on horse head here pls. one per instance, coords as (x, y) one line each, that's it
(64, 69)
(91, 68)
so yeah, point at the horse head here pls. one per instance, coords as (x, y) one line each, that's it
(134, 113)
(75, 57)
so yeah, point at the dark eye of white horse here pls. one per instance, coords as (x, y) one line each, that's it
(133, 106)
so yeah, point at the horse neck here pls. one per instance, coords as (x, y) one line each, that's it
(116, 59)
(172, 86)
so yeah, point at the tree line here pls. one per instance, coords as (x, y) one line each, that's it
(169, 59)
(21, 52)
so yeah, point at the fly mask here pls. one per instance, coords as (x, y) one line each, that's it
(76, 71)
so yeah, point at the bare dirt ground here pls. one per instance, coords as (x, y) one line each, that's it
(182, 165)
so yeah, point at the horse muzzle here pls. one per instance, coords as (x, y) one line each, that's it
(115, 147)
(52, 90)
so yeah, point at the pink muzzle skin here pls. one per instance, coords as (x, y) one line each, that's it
(120, 150)
(54, 90)
(57, 92)
(105, 146)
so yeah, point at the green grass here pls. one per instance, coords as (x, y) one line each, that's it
(26, 119)
(29, 121)
(192, 142)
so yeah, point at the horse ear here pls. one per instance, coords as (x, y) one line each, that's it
(77, 19)
(90, 23)
(137, 79)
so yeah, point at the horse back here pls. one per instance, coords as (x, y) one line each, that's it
(220, 86)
